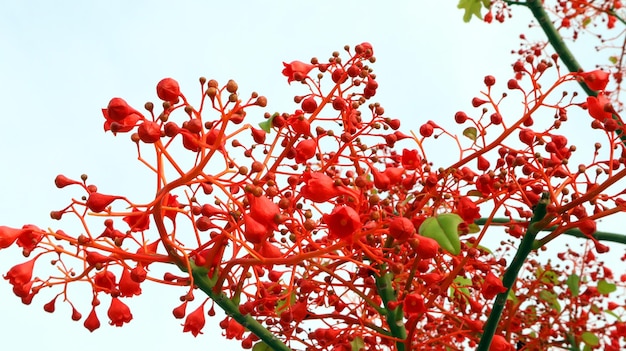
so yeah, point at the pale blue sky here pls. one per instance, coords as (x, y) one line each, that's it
(61, 62)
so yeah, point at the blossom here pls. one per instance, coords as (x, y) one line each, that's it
(413, 305)
(401, 228)
(128, 286)
(319, 187)
(492, 286)
(305, 150)
(499, 343)
(425, 247)
(99, 202)
(596, 105)
(119, 116)
(119, 313)
(342, 222)
(168, 90)
(410, 159)
(296, 70)
(195, 321)
(254, 231)
(467, 209)
(8, 236)
(138, 221)
(596, 79)
(232, 328)
(264, 211)
(104, 281)
(20, 274)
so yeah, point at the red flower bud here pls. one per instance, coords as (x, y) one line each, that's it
(149, 132)
(305, 150)
(92, 322)
(168, 90)
(401, 228)
(99, 202)
(596, 80)
(492, 286)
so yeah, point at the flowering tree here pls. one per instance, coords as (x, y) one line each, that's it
(328, 227)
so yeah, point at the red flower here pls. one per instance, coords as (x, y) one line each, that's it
(264, 211)
(492, 286)
(499, 343)
(168, 90)
(92, 322)
(128, 286)
(99, 202)
(149, 132)
(401, 228)
(319, 187)
(21, 273)
(8, 236)
(119, 112)
(195, 321)
(173, 203)
(425, 247)
(342, 222)
(299, 124)
(138, 221)
(467, 209)
(413, 305)
(305, 150)
(104, 281)
(30, 237)
(119, 313)
(255, 231)
(596, 80)
(296, 70)
(410, 159)
(232, 328)
(596, 106)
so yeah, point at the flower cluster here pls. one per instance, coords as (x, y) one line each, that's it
(328, 226)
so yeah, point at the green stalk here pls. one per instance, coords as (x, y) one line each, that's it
(394, 317)
(510, 275)
(202, 281)
(575, 232)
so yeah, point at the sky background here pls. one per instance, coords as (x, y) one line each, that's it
(62, 61)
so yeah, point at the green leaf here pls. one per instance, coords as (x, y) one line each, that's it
(590, 339)
(471, 133)
(471, 7)
(261, 346)
(572, 283)
(357, 344)
(443, 229)
(268, 123)
(611, 313)
(605, 287)
(613, 59)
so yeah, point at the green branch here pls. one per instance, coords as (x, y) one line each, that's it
(394, 317)
(575, 232)
(510, 275)
(202, 281)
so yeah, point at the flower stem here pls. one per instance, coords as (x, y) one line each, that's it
(394, 316)
(202, 281)
(510, 275)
